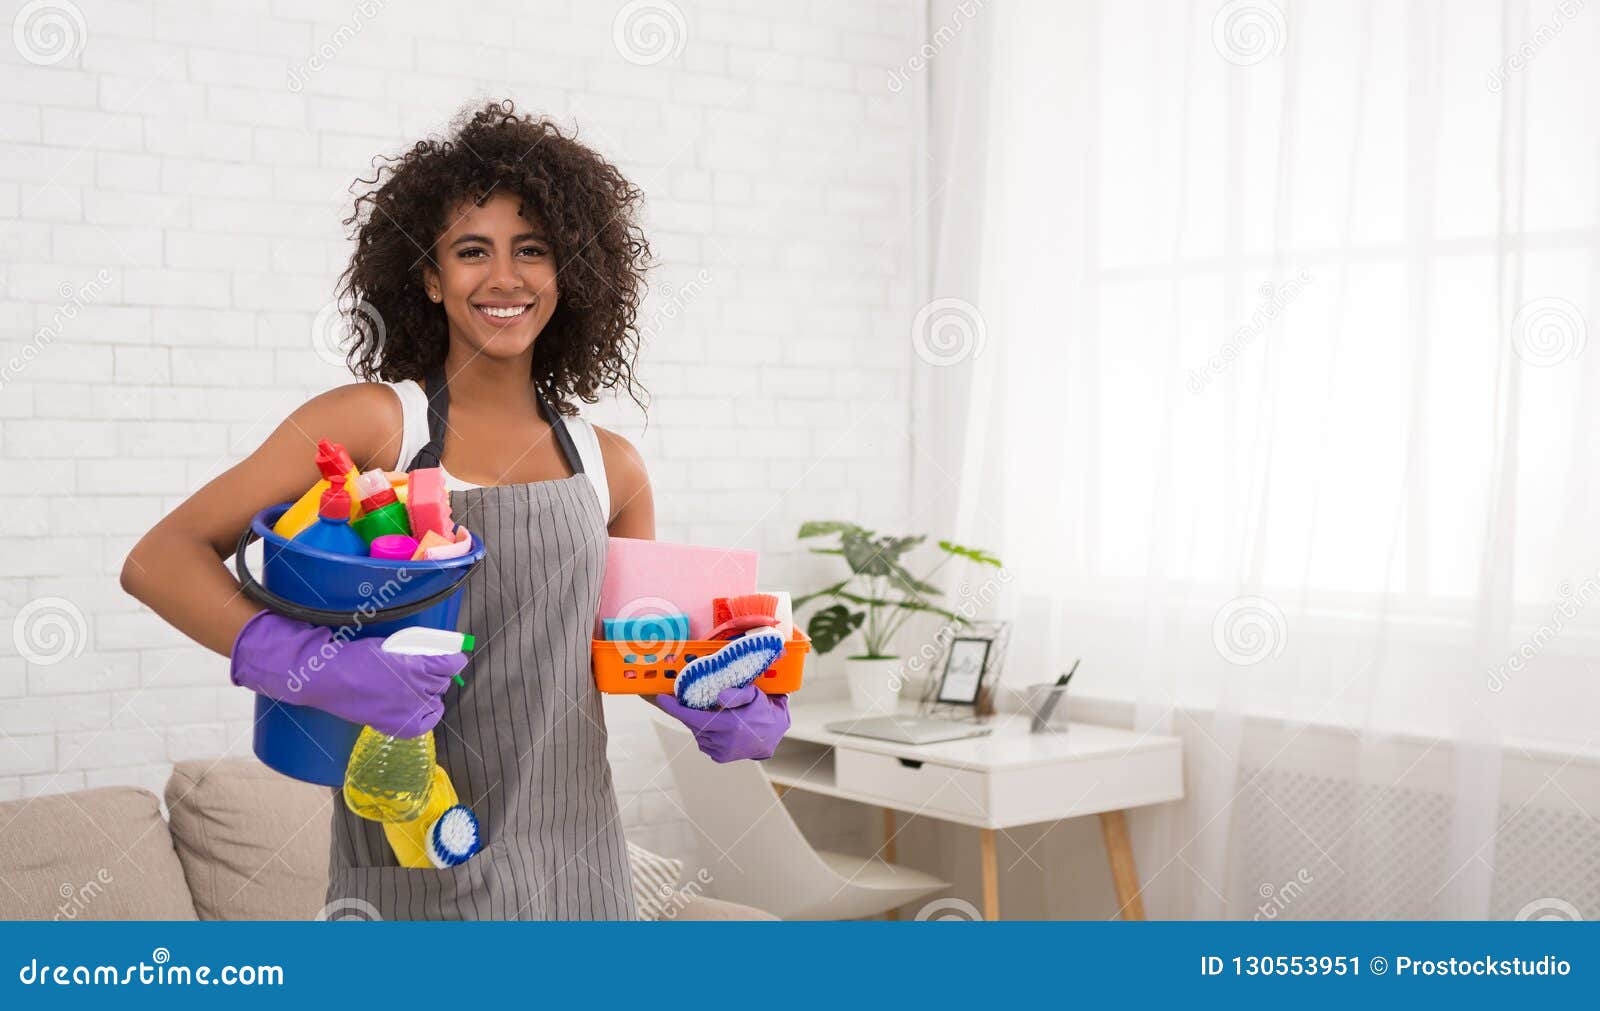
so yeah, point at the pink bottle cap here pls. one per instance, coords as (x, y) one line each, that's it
(394, 547)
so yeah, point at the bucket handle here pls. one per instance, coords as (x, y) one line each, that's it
(317, 616)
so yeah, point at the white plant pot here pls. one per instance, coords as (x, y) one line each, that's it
(874, 683)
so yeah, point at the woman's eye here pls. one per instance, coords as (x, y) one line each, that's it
(467, 254)
(532, 250)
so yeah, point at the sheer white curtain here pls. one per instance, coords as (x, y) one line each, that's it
(1269, 383)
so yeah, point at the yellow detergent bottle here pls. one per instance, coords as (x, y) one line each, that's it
(389, 778)
(444, 835)
(332, 459)
(392, 779)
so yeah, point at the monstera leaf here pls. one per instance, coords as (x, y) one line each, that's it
(832, 625)
(890, 592)
(875, 556)
(970, 554)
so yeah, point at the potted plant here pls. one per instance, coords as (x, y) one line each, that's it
(878, 596)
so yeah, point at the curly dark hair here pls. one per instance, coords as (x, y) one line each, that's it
(589, 214)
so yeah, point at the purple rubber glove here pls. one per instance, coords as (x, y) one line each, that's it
(749, 725)
(304, 665)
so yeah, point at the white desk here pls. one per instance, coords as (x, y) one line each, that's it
(1009, 778)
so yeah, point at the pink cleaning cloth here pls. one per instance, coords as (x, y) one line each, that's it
(652, 577)
(438, 552)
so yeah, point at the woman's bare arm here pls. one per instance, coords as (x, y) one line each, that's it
(633, 505)
(177, 568)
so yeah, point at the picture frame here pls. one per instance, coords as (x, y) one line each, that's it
(965, 663)
(941, 699)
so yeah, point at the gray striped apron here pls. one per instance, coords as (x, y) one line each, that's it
(525, 741)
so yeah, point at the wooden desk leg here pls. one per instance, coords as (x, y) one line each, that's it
(991, 876)
(888, 852)
(1124, 875)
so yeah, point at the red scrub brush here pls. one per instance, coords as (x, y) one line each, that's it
(734, 616)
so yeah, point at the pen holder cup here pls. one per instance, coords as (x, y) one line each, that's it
(1047, 706)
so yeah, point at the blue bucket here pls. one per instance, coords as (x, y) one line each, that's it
(371, 597)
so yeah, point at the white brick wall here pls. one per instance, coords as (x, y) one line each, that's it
(169, 226)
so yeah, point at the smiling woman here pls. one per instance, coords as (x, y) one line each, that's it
(505, 267)
(443, 218)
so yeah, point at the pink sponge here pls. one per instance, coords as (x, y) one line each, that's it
(428, 504)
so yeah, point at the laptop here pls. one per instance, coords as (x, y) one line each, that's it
(908, 729)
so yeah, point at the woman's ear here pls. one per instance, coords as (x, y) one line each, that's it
(431, 285)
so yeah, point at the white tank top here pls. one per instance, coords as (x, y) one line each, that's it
(414, 427)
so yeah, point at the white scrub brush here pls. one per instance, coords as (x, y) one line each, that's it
(733, 666)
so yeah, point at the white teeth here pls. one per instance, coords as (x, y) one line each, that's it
(507, 313)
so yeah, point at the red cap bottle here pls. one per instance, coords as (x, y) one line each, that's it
(335, 503)
(333, 459)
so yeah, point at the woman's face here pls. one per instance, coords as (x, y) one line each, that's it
(496, 278)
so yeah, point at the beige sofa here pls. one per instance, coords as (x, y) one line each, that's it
(242, 843)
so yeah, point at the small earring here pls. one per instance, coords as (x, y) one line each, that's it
(434, 297)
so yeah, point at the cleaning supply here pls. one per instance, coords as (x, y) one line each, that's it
(439, 549)
(381, 511)
(420, 641)
(333, 461)
(683, 576)
(330, 530)
(400, 481)
(393, 547)
(389, 778)
(785, 613)
(428, 542)
(428, 503)
(735, 665)
(738, 615)
(445, 834)
(648, 628)
(454, 838)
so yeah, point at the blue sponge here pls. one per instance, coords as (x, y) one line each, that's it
(733, 666)
(647, 628)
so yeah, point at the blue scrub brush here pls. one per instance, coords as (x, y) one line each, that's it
(733, 666)
(454, 838)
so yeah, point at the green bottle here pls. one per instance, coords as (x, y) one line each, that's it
(381, 511)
